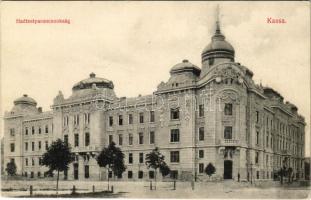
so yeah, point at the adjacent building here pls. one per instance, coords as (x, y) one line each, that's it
(209, 114)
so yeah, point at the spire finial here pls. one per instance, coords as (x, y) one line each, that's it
(217, 20)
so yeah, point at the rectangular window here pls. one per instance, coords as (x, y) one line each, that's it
(175, 113)
(228, 109)
(26, 161)
(32, 130)
(110, 139)
(130, 139)
(129, 174)
(120, 120)
(87, 139)
(66, 139)
(39, 130)
(201, 168)
(201, 153)
(33, 162)
(86, 171)
(39, 145)
(39, 174)
(257, 137)
(141, 157)
(26, 146)
(228, 132)
(12, 131)
(46, 145)
(201, 133)
(26, 131)
(151, 174)
(130, 158)
(33, 146)
(174, 174)
(141, 117)
(174, 135)
(46, 129)
(76, 140)
(201, 110)
(152, 118)
(151, 137)
(174, 156)
(120, 139)
(110, 121)
(257, 116)
(87, 118)
(141, 138)
(267, 160)
(130, 118)
(140, 174)
(257, 158)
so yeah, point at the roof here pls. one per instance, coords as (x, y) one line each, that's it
(185, 65)
(25, 100)
(88, 83)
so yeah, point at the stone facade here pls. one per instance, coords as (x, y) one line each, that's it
(216, 115)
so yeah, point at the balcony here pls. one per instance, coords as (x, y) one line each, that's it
(85, 149)
(229, 142)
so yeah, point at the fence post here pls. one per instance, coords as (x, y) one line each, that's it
(93, 188)
(150, 185)
(30, 190)
(73, 189)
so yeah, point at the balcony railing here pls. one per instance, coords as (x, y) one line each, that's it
(229, 142)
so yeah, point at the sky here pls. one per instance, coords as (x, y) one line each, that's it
(135, 44)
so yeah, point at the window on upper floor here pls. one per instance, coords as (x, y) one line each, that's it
(76, 119)
(66, 139)
(130, 117)
(201, 133)
(201, 110)
(201, 153)
(130, 139)
(76, 140)
(87, 139)
(257, 116)
(152, 117)
(120, 139)
(120, 120)
(26, 161)
(175, 113)
(141, 117)
(130, 158)
(174, 156)
(39, 145)
(257, 157)
(228, 132)
(12, 147)
(87, 117)
(141, 157)
(46, 129)
(33, 162)
(257, 137)
(32, 130)
(110, 120)
(175, 135)
(26, 130)
(141, 138)
(110, 140)
(151, 137)
(201, 168)
(32, 146)
(12, 132)
(39, 130)
(26, 146)
(46, 145)
(228, 109)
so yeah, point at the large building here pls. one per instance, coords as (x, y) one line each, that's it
(213, 114)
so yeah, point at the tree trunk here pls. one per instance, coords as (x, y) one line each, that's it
(108, 178)
(57, 182)
(155, 179)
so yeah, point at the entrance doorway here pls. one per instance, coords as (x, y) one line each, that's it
(76, 171)
(227, 169)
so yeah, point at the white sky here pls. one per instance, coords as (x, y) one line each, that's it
(135, 44)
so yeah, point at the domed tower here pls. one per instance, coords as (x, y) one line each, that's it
(24, 105)
(217, 51)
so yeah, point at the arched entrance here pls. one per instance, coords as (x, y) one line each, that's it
(227, 169)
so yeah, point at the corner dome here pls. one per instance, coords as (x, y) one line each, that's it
(218, 47)
(91, 81)
(25, 100)
(185, 65)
